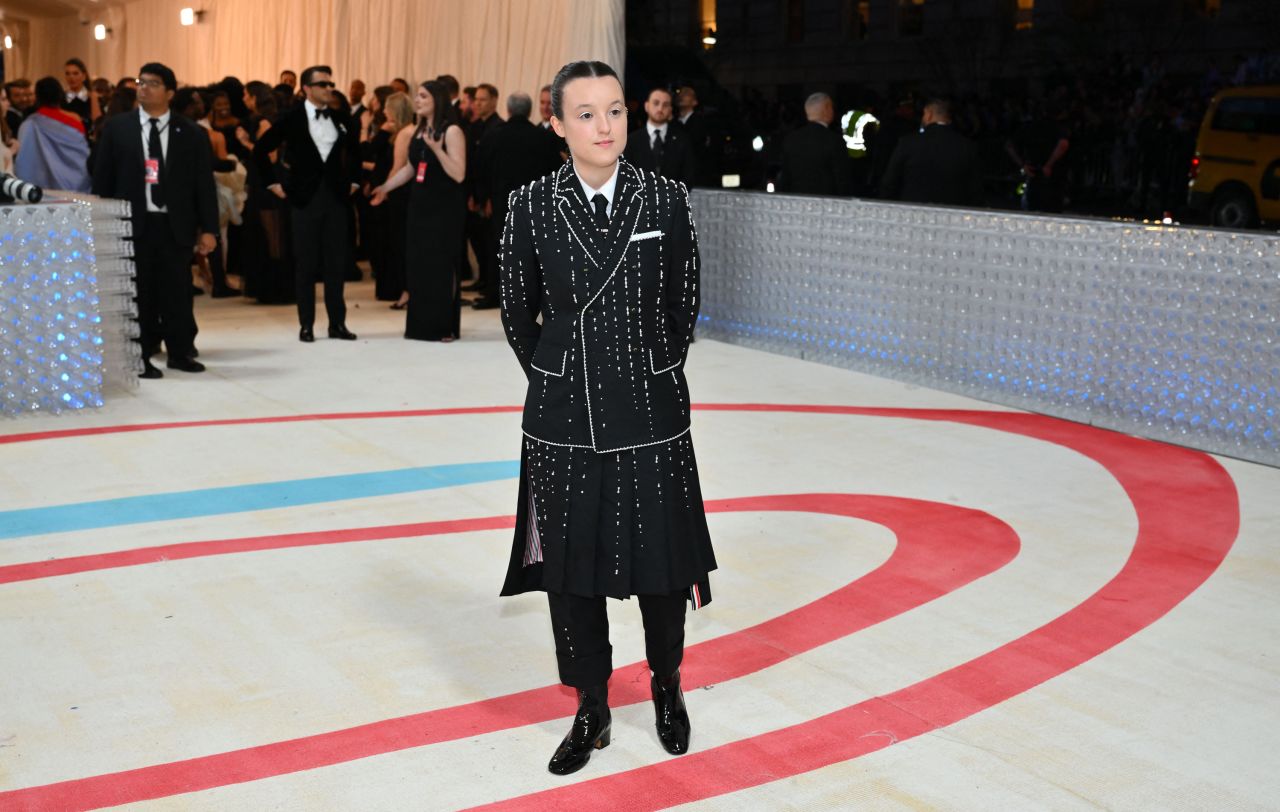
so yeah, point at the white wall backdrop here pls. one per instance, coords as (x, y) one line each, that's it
(515, 44)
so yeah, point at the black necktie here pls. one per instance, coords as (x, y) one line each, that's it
(156, 153)
(602, 215)
(657, 146)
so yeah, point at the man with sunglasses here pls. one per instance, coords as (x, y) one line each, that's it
(161, 162)
(317, 172)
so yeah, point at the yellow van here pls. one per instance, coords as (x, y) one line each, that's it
(1235, 174)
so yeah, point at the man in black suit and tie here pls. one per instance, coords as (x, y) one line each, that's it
(544, 112)
(320, 150)
(658, 146)
(162, 164)
(815, 160)
(936, 165)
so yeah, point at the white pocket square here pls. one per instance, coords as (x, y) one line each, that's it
(645, 235)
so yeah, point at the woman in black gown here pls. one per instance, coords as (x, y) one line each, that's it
(599, 269)
(386, 222)
(435, 218)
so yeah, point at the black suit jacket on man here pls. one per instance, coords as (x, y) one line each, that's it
(677, 154)
(512, 155)
(119, 171)
(601, 322)
(476, 182)
(938, 165)
(300, 170)
(814, 161)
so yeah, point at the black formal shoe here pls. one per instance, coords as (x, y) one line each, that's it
(671, 718)
(185, 364)
(485, 303)
(591, 728)
(223, 293)
(341, 332)
(150, 371)
(471, 287)
(306, 335)
(194, 353)
(399, 306)
(196, 290)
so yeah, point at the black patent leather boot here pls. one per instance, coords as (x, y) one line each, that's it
(671, 718)
(591, 727)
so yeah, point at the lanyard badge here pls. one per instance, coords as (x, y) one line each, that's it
(152, 171)
(422, 171)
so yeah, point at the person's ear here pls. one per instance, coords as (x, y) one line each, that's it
(557, 125)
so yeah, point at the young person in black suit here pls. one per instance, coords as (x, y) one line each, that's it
(162, 164)
(599, 300)
(659, 146)
(321, 149)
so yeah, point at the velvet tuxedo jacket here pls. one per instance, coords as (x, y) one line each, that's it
(601, 320)
(301, 171)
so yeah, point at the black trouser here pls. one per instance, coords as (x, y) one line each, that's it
(164, 289)
(477, 230)
(581, 628)
(321, 248)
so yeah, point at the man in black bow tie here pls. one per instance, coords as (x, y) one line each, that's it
(317, 172)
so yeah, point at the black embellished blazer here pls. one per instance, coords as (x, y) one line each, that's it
(601, 322)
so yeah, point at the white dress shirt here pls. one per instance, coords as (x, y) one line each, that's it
(164, 148)
(655, 128)
(606, 190)
(323, 131)
(684, 118)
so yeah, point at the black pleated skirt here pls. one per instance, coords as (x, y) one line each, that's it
(615, 524)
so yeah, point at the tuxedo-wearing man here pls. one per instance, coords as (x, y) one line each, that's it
(162, 164)
(484, 108)
(659, 146)
(320, 149)
(814, 158)
(936, 165)
(511, 156)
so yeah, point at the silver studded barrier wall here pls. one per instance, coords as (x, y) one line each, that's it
(67, 312)
(1169, 333)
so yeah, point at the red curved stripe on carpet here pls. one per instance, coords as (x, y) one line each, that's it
(1188, 518)
(925, 564)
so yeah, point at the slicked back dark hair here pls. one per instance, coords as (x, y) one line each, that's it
(309, 73)
(582, 69)
(450, 83)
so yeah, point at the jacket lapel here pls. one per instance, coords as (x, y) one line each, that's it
(576, 214)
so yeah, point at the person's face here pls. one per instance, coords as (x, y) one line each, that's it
(356, 92)
(319, 89)
(250, 102)
(152, 94)
(544, 105)
(288, 78)
(465, 106)
(595, 122)
(28, 97)
(423, 104)
(658, 107)
(485, 103)
(75, 77)
(221, 107)
(688, 99)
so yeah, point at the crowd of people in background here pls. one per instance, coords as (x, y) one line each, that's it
(308, 180)
(1123, 131)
